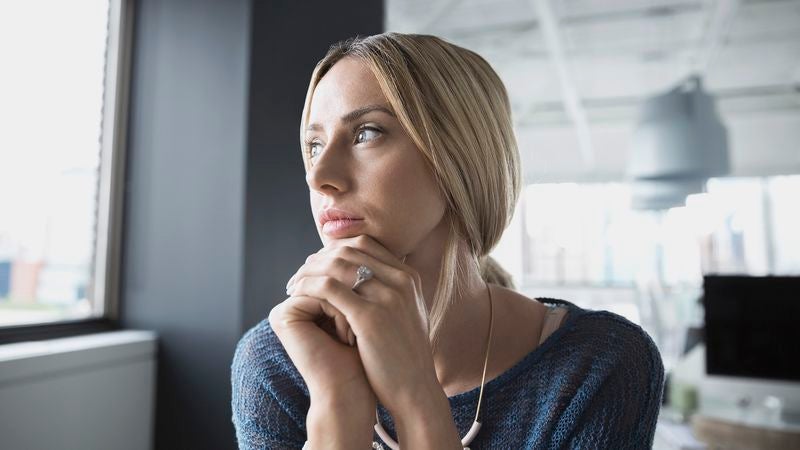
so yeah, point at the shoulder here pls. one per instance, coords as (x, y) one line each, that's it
(608, 340)
(622, 379)
(624, 340)
(265, 383)
(614, 346)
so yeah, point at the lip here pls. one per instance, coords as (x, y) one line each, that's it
(339, 223)
(341, 228)
(337, 214)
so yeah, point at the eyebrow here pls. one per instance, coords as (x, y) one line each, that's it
(355, 114)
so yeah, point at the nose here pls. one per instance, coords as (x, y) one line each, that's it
(329, 171)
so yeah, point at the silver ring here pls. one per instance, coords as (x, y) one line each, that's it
(363, 274)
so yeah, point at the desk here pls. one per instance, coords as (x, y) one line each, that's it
(672, 435)
(721, 430)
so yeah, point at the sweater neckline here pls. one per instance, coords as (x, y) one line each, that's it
(573, 311)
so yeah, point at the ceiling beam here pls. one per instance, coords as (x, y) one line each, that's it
(571, 98)
(524, 24)
(730, 101)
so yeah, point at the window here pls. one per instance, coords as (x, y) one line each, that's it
(587, 235)
(63, 94)
(781, 196)
(583, 243)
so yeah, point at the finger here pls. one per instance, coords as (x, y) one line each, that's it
(293, 321)
(309, 258)
(345, 300)
(368, 245)
(340, 322)
(343, 263)
(311, 309)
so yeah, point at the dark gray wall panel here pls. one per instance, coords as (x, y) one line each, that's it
(289, 37)
(217, 213)
(182, 254)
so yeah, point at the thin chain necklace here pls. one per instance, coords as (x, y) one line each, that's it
(476, 424)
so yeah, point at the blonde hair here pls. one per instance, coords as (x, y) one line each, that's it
(455, 109)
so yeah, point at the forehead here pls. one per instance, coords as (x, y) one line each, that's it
(348, 85)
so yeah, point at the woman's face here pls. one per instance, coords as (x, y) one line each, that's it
(363, 162)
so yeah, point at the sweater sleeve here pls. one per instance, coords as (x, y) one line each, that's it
(623, 410)
(262, 394)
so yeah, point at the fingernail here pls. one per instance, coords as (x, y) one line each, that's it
(289, 283)
(351, 338)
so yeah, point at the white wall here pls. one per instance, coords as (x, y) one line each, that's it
(82, 393)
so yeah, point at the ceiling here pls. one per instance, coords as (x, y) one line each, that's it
(582, 67)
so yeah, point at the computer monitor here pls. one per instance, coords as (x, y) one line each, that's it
(752, 326)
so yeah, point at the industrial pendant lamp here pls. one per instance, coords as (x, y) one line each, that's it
(679, 142)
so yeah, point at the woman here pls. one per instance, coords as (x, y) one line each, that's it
(413, 174)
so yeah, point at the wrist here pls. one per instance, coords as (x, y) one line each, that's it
(342, 411)
(339, 423)
(427, 422)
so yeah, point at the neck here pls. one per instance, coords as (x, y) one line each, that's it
(459, 356)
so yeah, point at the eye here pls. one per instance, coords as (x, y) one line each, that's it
(367, 134)
(313, 147)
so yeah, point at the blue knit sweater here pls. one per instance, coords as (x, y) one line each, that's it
(595, 383)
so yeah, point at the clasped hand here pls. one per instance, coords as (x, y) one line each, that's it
(387, 316)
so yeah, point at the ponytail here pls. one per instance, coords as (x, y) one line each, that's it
(493, 273)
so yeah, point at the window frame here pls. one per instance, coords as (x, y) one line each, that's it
(106, 264)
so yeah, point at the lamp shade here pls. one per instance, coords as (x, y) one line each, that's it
(679, 142)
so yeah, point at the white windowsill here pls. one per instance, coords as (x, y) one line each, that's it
(24, 360)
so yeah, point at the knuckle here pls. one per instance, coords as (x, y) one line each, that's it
(346, 251)
(340, 262)
(393, 301)
(405, 279)
(298, 282)
(367, 313)
(384, 296)
(274, 315)
(328, 283)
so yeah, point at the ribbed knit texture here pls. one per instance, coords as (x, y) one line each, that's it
(595, 383)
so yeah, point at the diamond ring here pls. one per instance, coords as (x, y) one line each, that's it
(363, 274)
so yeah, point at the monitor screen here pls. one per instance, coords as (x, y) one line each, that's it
(752, 326)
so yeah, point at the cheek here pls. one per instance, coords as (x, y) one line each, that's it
(413, 206)
(414, 200)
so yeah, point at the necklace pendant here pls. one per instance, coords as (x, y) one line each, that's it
(377, 446)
